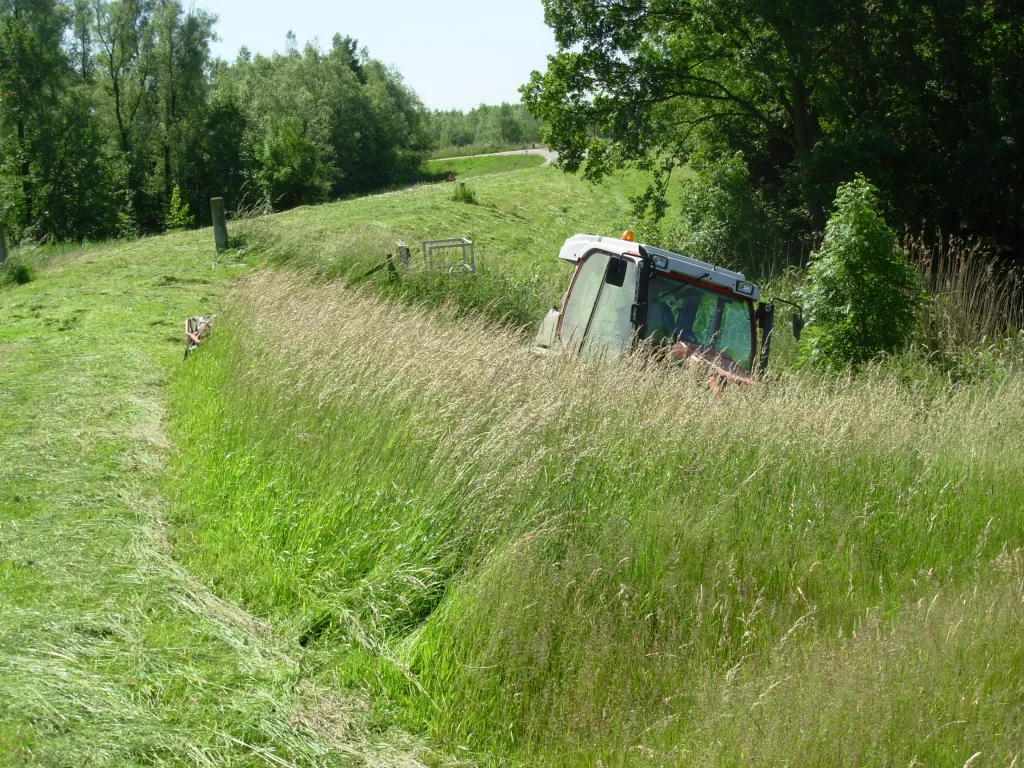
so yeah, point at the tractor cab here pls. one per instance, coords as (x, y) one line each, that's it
(623, 294)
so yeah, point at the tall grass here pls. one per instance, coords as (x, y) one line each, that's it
(501, 291)
(977, 300)
(562, 563)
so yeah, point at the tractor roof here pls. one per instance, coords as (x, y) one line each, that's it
(578, 246)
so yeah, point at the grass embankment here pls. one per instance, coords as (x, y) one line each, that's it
(437, 170)
(518, 224)
(110, 653)
(566, 563)
(469, 150)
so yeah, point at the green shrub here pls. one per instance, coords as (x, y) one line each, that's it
(178, 216)
(290, 170)
(863, 295)
(464, 194)
(14, 271)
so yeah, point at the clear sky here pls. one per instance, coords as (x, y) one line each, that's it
(454, 53)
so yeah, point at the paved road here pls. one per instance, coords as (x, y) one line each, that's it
(549, 155)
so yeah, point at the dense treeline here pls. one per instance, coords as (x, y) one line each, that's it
(114, 117)
(775, 104)
(504, 125)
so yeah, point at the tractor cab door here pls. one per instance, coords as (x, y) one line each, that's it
(597, 319)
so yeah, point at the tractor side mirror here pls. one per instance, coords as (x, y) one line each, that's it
(616, 272)
(798, 324)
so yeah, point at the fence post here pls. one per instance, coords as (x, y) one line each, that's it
(3, 243)
(220, 223)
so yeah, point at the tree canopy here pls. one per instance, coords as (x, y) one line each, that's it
(924, 97)
(503, 125)
(107, 107)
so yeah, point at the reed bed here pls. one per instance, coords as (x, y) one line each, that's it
(557, 563)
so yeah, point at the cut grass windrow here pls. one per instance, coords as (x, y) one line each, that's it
(110, 653)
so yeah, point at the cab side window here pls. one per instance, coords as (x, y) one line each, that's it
(582, 296)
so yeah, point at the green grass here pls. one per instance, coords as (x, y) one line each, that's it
(110, 653)
(567, 565)
(518, 224)
(476, 149)
(437, 170)
(368, 518)
(561, 564)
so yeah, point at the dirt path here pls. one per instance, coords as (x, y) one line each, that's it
(110, 654)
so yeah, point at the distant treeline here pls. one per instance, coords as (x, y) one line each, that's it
(505, 125)
(111, 111)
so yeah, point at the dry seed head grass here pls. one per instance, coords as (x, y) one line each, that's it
(975, 297)
(937, 686)
(505, 433)
(479, 386)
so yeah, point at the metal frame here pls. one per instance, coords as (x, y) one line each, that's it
(434, 255)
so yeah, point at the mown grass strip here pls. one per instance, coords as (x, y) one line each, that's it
(437, 170)
(110, 653)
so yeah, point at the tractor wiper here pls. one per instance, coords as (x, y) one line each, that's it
(682, 284)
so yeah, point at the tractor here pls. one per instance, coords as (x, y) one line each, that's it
(624, 296)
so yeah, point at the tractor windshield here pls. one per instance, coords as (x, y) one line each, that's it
(596, 319)
(688, 312)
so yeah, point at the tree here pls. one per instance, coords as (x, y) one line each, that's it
(32, 77)
(182, 53)
(125, 35)
(76, 189)
(81, 51)
(924, 95)
(113, 115)
(863, 294)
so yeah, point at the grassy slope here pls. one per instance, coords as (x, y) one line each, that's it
(437, 170)
(576, 564)
(836, 578)
(476, 149)
(359, 475)
(521, 218)
(110, 654)
(519, 223)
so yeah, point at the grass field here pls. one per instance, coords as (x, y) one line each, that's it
(111, 653)
(349, 519)
(437, 170)
(518, 223)
(476, 149)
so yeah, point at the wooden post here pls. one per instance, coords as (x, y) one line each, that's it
(220, 223)
(3, 243)
(403, 254)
